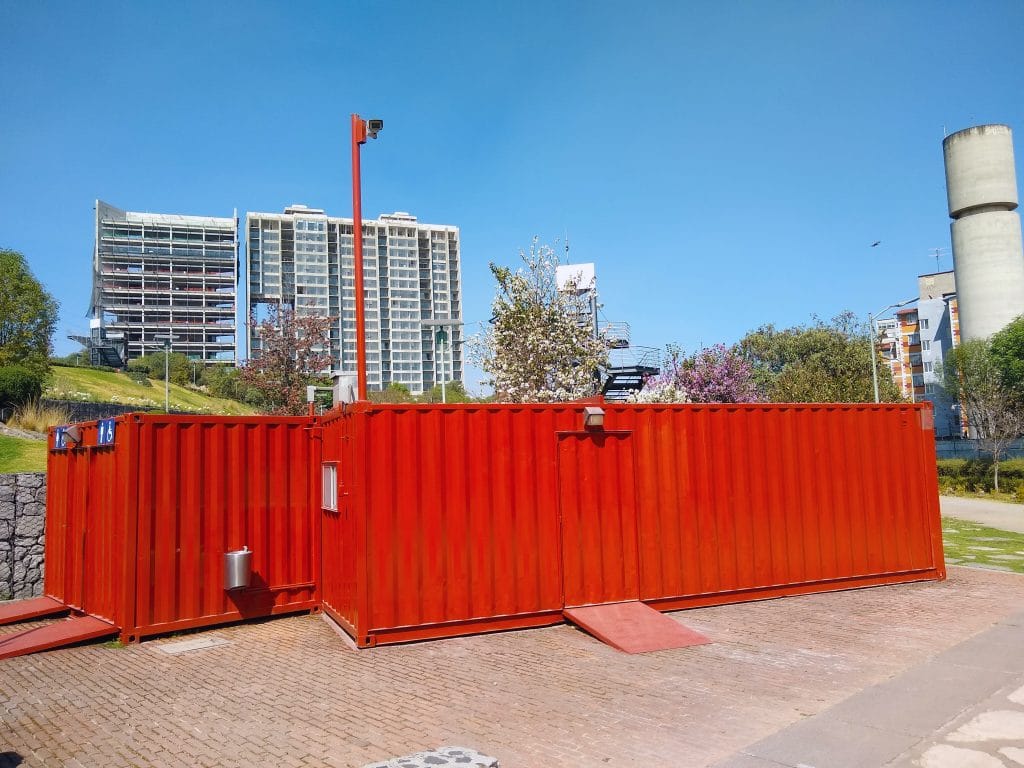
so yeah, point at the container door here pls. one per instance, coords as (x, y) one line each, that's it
(597, 503)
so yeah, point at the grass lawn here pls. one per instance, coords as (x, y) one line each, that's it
(972, 544)
(20, 455)
(105, 387)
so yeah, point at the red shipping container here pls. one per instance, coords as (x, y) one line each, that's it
(136, 531)
(466, 518)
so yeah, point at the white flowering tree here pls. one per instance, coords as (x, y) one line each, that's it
(539, 346)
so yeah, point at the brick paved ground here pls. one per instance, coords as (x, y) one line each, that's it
(288, 692)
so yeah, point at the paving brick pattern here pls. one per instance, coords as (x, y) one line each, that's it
(288, 692)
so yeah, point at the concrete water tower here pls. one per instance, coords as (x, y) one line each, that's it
(981, 186)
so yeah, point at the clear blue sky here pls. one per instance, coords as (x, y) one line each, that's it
(724, 164)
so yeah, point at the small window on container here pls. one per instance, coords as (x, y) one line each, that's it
(330, 487)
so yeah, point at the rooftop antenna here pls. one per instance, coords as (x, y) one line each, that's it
(937, 253)
(567, 245)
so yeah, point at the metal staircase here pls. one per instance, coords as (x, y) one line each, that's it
(628, 366)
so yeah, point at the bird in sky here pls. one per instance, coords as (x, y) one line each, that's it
(877, 242)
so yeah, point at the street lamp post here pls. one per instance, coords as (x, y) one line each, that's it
(439, 338)
(872, 332)
(167, 368)
(361, 129)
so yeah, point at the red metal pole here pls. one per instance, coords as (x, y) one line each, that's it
(358, 137)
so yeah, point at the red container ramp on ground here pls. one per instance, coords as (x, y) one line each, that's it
(465, 518)
(136, 531)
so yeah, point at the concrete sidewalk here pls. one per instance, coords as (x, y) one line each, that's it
(994, 514)
(964, 708)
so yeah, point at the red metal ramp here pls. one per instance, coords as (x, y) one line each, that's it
(633, 627)
(74, 629)
(24, 610)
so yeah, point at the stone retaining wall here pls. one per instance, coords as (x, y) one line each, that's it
(22, 534)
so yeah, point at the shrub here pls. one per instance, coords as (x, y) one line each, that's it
(36, 417)
(1011, 468)
(139, 374)
(18, 385)
(952, 467)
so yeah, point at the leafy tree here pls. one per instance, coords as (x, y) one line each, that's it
(1007, 349)
(994, 412)
(179, 367)
(537, 349)
(824, 362)
(28, 315)
(395, 392)
(19, 385)
(290, 358)
(455, 392)
(717, 374)
(226, 381)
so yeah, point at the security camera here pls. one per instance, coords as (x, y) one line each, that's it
(373, 127)
(73, 434)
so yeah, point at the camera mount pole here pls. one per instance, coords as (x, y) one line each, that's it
(358, 138)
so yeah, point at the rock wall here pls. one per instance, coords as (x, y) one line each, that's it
(22, 534)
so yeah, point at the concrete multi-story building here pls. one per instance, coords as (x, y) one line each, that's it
(915, 344)
(303, 259)
(163, 277)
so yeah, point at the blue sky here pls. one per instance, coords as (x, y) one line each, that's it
(724, 164)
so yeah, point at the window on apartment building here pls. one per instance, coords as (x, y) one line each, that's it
(915, 338)
(924, 323)
(926, 345)
(929, 367)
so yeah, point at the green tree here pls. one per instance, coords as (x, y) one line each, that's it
(179, 367)
(823, 362)
(536, 349)
(994, 413)
(1007, 348)
(454, 392)
(226, 381)
(28, 315)
(290, 357)
(395, 392)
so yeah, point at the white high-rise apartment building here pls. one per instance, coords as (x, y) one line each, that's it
(303, 259)
(159, 277)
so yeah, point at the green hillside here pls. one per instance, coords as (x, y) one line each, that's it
(20, 455)
(89, 385)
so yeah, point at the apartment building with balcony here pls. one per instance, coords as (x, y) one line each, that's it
(165, 277)
(303, 259)
(915, 343)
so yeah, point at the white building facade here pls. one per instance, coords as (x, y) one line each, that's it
(163, 277)
(303, 259)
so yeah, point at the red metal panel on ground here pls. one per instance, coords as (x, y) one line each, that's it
(597, 503)
(75, 629)
(633, 627)
(14, 611)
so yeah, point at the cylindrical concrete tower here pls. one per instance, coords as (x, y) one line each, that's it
(981, 186)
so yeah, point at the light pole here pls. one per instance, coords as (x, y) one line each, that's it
(439, 338)
(872, 332)
(361, 129)
(167, 368)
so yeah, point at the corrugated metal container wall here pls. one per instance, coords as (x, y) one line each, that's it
(86, 511)
(744, 501)
(466, 518)
(159, 509)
